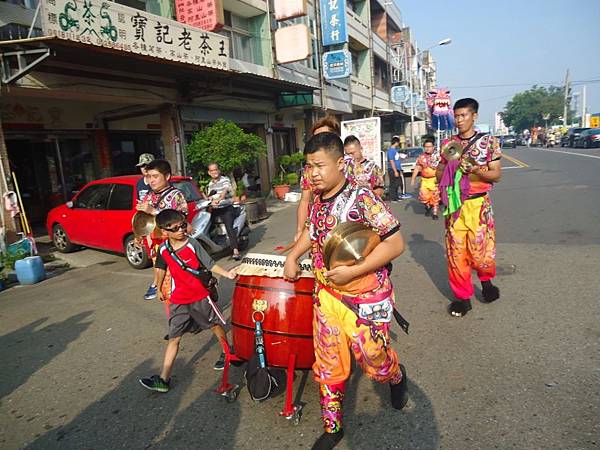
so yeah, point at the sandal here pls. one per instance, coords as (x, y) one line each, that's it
(459, 308)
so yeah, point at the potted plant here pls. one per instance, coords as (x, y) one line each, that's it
(280, 184)
(226, 144)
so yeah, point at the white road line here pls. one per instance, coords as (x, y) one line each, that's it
(566, 153)
(513, 167)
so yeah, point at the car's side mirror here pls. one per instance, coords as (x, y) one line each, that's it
(69, 204)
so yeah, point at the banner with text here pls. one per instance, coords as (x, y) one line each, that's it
(368, 132)
(112, 25)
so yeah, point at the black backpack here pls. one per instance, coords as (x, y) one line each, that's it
(259, 380)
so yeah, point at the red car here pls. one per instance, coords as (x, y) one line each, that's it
(99, 216)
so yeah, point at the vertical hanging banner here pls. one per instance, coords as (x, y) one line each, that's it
(289, 9)
(333, 22)
(205, 14)
(368, 132)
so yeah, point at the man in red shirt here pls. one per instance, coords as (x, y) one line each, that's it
(191, 308)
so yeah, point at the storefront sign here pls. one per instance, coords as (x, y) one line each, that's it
(333, 22)
(400, 94)
(368, 132)
(337, 64)
(421, 106)
(205, 14)
(289, 9)
(412, 100)
(112, 25)
(292, 43)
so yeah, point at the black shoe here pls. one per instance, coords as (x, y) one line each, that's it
(237, 257)
(328, 441)
(155, 383)
(427, 211)
(489, 291)
(220, 363)
(435, 216)
(166, 337)
(399, 391)
(459, 308)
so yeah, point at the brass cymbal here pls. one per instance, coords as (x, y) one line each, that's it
(348, 243)
(452, 151)
(143, 224)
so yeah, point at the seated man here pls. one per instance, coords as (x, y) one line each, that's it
(220, 192)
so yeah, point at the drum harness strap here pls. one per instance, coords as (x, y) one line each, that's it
(205, 276)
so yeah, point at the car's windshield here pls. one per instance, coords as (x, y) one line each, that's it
(185, 186)
(413, 152)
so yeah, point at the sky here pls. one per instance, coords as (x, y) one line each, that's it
(509, 42)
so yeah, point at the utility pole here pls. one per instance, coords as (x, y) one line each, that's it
(583, 107)
(567, 99)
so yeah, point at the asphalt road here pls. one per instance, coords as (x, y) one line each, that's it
(520, 373)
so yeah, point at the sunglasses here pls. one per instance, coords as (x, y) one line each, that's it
(176, 228)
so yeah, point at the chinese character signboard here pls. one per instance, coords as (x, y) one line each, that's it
(337, 64)
(400, 94)
(112, 25)
(412, 100)
(333, 22)
(292, 43)
(595, 121)
(289, 9)
(421, 106)
(205, 14)
(368, 132)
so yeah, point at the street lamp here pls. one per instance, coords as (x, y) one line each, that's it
(445, 41)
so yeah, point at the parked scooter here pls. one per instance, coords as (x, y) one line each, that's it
(211, 232)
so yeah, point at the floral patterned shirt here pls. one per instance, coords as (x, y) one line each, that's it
(364, 173)
(484, 150)
(351, 204)
(428, 163)
(168, 198)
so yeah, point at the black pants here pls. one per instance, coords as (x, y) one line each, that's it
(394, 183)
(228, 213)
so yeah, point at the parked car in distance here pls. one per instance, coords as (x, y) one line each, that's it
(408, 163)
(568, 140)
(508, 140)
(99, 216)
(588, 138)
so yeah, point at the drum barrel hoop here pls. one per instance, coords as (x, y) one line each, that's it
(274, 289)
(278, 333)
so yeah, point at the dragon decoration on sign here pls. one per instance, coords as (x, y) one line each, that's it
(442, 116)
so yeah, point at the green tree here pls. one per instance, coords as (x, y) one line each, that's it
(223, 143)
(528, 109)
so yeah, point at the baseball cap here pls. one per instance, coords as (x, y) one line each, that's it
(145, 158)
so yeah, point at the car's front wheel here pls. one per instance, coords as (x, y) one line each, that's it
(61, 240)
(137, 255)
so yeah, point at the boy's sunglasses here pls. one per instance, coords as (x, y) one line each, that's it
(176, 228)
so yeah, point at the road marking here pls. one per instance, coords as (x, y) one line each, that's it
(566, 153)
(512, 167)
(519, 163)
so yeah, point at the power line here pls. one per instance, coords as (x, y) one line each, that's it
(591, 81)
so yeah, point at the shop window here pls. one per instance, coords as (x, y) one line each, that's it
(121, 197)
(93, 197)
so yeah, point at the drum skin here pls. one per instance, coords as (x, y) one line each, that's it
(287, 323)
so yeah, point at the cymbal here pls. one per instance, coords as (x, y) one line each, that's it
(452, 151)
(143, 224)
(348, 243)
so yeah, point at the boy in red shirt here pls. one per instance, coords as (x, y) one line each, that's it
(191, 309)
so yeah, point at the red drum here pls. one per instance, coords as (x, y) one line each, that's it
(286, 306)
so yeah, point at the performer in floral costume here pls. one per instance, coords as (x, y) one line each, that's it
(362, 171)
(429, 193)
(353, 305)
(470, 231)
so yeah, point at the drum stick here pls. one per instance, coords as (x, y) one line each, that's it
(285, 249)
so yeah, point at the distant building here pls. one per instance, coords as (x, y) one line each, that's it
(499, 127)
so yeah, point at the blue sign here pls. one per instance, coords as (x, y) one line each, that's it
(337, 64)
(333, 22)
(400, 94)
(422, 106)
(412, 101)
